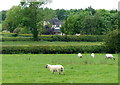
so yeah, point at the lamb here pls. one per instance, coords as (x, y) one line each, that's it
(93, 55)
(80, 55)
(55, 68)
(109, 56)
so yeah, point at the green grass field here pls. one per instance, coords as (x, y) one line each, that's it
(48, 43)
(30, 68)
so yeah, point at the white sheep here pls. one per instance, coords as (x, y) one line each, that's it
(55, 68)
(109, 56)
(79, 55)
(93, 55)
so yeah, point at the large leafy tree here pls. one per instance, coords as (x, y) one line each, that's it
(13, 18)
(33, 18)
(74, 23)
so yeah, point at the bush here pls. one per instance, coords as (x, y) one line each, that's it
(15, 39)
(17, 30)
(7, 34)
(25, 30)
(52, 49)
(88, 38)
(112, 42)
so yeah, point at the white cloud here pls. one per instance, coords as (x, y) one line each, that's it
(97, 4)
(68, 4)
(7, 4)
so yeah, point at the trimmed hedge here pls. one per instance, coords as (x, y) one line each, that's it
(52, 49)
(87, 38)
(15, 39)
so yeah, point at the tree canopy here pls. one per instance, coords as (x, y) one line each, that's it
(31, 14)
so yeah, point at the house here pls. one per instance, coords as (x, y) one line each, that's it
(53, 27)
(56, 24)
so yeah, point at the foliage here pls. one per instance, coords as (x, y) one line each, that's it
(35, 16)
(14, 19)
(112, 41)
(76, 21)
(21, 37)
(30, 16)
(90, 21)
(24, 30)
(52, 49)
(2, 15)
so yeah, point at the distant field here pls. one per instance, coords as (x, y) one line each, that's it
(30, 68)
(48, 43)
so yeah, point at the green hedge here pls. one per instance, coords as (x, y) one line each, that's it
(88, 38)
(15, 39)
(52, 49)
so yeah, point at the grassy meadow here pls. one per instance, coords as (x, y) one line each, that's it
(30, 68)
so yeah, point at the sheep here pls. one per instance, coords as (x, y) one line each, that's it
(79, 55)
(93, 55)
(55, 68)
(109, 56)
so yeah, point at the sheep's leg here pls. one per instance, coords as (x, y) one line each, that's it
(59, 72)
(113, 58)
(106, 57)
(63, 72)
(52, 72)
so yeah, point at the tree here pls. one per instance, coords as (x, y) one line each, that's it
(74, 23)
(90, 9)
(13, 18)
(2, 15)
(33, 18)
(61, 14)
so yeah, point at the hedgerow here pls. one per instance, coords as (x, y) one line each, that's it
(52, 49)
(87, 38)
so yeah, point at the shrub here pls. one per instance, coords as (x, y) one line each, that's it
(112, 42)
(15, 39)
(17, 30)
(88, 38)
(52, 49)
(25, 30)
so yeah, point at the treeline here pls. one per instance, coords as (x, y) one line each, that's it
(90, 21)
(76, 21)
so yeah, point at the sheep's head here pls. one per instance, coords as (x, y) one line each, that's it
(47, 65)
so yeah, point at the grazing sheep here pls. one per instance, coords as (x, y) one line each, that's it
(55, 68)
(93, 55)
(109, 56)
(79, 55)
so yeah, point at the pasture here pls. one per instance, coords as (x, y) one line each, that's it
(43, 43)
(30, 68)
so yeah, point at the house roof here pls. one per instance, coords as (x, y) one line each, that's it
(55, 21)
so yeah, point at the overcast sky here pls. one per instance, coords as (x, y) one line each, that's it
(68, 4)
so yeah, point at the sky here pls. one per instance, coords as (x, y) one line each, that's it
(68, 4)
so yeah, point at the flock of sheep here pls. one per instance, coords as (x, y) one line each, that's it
(107, 56)
(60, 68)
